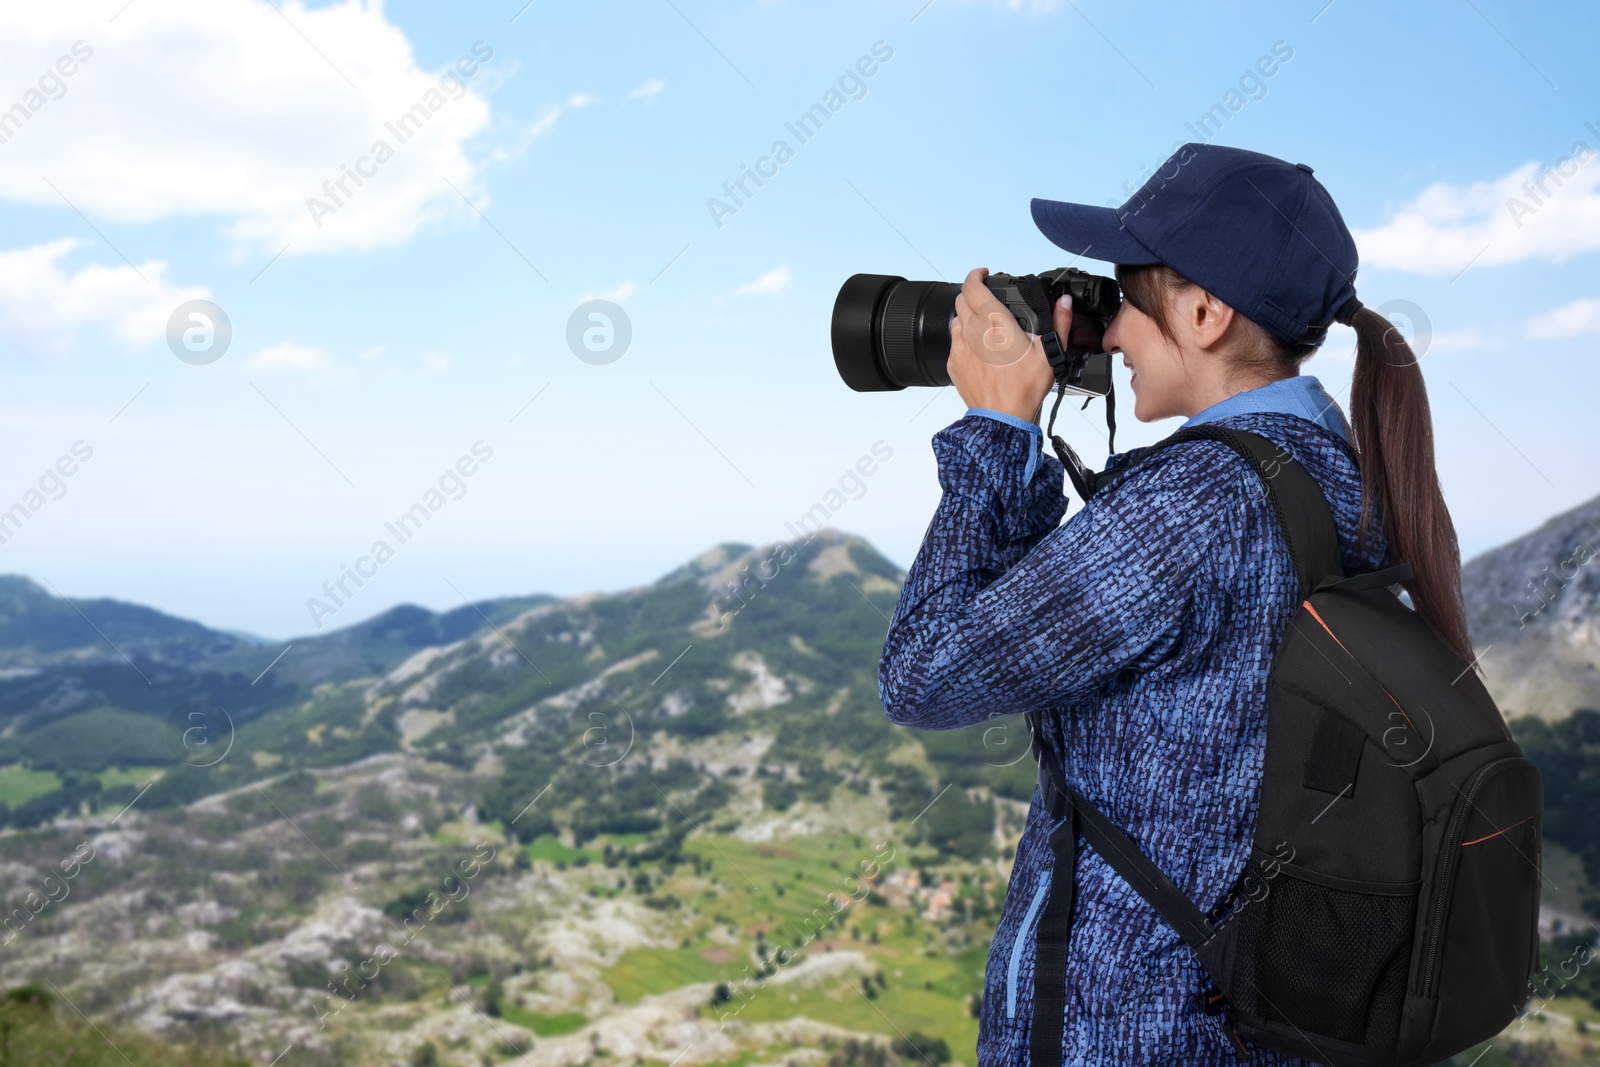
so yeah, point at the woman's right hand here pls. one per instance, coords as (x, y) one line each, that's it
(995, 363)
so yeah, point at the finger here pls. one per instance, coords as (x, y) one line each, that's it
(959, 346)
(1061, 319)
(979, 297)
(971, 318)
(960, 356)
(986, 321)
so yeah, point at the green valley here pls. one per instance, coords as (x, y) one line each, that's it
(642, 827)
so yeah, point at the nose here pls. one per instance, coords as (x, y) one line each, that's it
(1111, 343)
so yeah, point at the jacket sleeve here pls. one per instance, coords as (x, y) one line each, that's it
(1004, 611)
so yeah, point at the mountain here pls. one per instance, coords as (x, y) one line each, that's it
(82, 680)
(593, 828)
(374, 646)
(39, 629)
(1533, 606)
(665, 824)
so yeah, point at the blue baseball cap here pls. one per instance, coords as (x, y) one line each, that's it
(1259, 234)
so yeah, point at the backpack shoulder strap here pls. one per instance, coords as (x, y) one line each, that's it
(1132, 865)
(1302, 509)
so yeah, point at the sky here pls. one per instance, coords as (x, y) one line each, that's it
(408, 333)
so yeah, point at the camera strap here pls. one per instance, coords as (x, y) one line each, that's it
(1084, 480)
(1037, 296)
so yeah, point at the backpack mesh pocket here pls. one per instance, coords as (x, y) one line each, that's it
(1330, 962)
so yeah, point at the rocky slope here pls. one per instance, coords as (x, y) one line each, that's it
(1534, 608)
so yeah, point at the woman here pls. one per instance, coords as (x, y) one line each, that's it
(1143, 630)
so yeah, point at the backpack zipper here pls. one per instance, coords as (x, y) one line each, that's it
(1447, 876)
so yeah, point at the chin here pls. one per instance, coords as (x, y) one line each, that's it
(1149, 408)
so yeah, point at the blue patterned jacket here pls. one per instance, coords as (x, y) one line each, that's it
(1144, 629)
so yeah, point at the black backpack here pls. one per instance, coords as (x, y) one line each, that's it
(1389, 912)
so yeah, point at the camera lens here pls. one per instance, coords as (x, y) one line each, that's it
(889, 333)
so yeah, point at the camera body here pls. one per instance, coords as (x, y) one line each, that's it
(1095, 300)
(889, 333)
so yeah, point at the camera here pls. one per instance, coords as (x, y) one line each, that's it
(889, 333)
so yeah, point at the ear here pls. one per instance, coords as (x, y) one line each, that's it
(1207, 317)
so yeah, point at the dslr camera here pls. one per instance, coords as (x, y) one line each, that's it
(889, 333)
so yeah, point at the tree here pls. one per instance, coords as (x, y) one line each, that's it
(920, 1047)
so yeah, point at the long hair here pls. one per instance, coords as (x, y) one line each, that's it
(1393, 427)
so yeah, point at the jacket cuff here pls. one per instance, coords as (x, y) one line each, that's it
(999, 467)
(1021, 424)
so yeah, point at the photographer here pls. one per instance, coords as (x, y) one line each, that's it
(1142, 631)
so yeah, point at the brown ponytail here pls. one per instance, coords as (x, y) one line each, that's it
(1394, 442)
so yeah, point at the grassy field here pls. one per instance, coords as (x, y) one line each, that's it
(551, 850)
(545, 1025)
(112, 777)
(19, 784)
(920, 974)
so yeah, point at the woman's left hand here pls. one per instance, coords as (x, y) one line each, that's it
(994, 362)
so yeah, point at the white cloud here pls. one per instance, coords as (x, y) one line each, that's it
(617, 293)
(287, 355)
(1570, 320)
(437, 360)
(221, 108)
(1506, 220)
(40, 297)
(546, 122)
(648, 91)
(773, 282)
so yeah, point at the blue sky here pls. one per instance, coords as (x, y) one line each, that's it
(371, 352)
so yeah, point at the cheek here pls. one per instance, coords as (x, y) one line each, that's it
(1158, 373)
(1136, 346)
(1154, 374)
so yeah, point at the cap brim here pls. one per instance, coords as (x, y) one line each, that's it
(1091, 232)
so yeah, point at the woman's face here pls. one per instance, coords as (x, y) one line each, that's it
(1161, 384)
